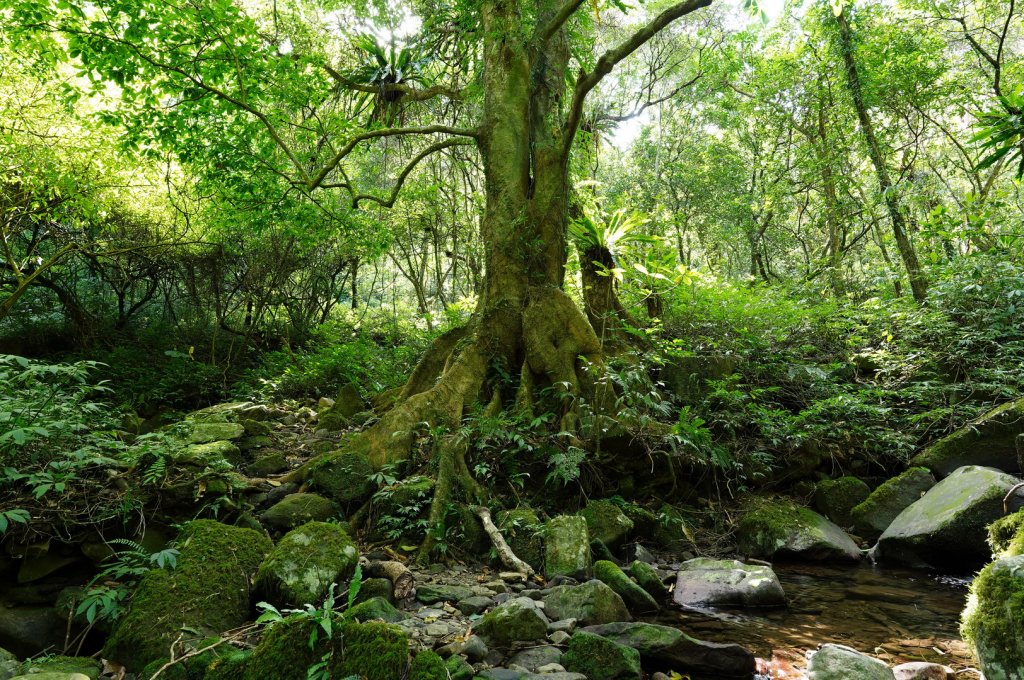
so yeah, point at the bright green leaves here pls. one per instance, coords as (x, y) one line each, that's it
(1001, 133)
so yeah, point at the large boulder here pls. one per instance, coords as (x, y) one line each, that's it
(836, 662)
(607, 523)
(783, 529)
(346, 405)
(663, 648)
(637, 600)
(946, 527)
(835, 498)
(296, 509)
(567, 547)
(648, 578)
(28, 631)
(517, 620)
(304, 564)
(590, 603)
(522, 531)
(205, 594)
(874, 515)
(705, 582)
(343, 476)
(599, 658)
(204, 433)
(1006, 535)
(994, 619)
(989, 441)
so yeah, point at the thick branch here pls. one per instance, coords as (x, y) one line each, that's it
(547, 31)
(588, 81)
(390, 200)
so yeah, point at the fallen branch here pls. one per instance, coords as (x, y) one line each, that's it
(401, 578)
(505, 553)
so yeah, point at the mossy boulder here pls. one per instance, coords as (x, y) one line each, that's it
(590, 603)
(1006, 535)
(836, 662)
(835, 498)
(648, 579)
(947, 526)
(458, 669)
(296, 509)
(599, 658)
(637, 600)
(427, 665)
(994, 619)
(782, 528)
(607, 523)
(522, 531)
(84, 665)
(375, 609)
(670, 530)
(204, 433)
(987, 441)
(430, 593)
(874, 515)
(516, 620)
(665, 648)
(342, 476)
(705, 582)
(304, 564)
(347, 404)
(221, 455)
(376, 587)
(268, 464)
(567, 547)
(207, 592)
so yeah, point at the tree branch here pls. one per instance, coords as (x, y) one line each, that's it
(545, 32)
(433, 148)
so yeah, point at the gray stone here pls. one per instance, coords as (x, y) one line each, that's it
(781, 528)
(474, 605)
(988, 440)
(873, 516)
(665, 648)
(946, 527)
(589, 603)
(304, 564)
(432, 594)
(607, 523)
(920, 670)
(567, 548)
(517, 620)
(704, 582)
(836, 662)
(533, 658)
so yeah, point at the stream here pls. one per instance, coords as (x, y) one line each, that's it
(895, 615)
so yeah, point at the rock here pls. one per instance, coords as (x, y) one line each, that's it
(549, 668)
(994, 618)
(781, 528)
(27, 631)
(599, 658)
(458, 669)
(599, 551)
(704, 582)
(347, 404)
(686, 376)
(204, 433)
(836, 662)
(566, 625)
(375, 609)
(946, 527)
(298, 508)
(221, 455)
(432, 593)
(476, 604)
(567, 548)
(919, 670)
(35, 567)
(607, 523)
(521, 529)
(986, 441)
(590, 603)
(637, 600)
(565, 675)
(835, 498)
(427, 665)
(517, 620)
(670, 531)
(268, 464)
(874, 515)
(343, 476)
(648, 579)
(666, 648)
(1006, 535)
(207, 592)
(533, 658)
(559, 637)
(65, 665)
(502, 674)
(305, 563)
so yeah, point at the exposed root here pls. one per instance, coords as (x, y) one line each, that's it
(508, 558)
(451, 471)
(433, 362)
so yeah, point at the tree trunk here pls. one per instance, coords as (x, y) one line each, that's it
(918, 282)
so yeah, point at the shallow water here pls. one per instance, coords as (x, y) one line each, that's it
(895, 615)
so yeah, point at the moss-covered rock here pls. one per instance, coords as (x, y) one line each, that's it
(230, 666)
(994, 618)
(670, 530)
(376, 587)
(783, 528)
(647, 578)
(522, 531)
(204, 433)
(220, 455)
(644, 521)
(374, 651)
(517, 620)
(567, 547)
(342, 476)
(637, 600)
(874, 515)
(704, 582)
(208, 592)
(836, 662)
(375, 609)
(946, 528)
(427, 665)
(304, 564)
(347, 404)
(431, 593)
(458, 668)
(989, 440)
(87, 666)
(268, 464)
(599, 658)
(1006, 532)
(296, 509)
(590, 603)
(607, 523)
(835, 498)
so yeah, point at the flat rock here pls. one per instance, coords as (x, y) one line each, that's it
(836, 662)
(920, 670)
(727, 583)
(590, 603)
(432, 594)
